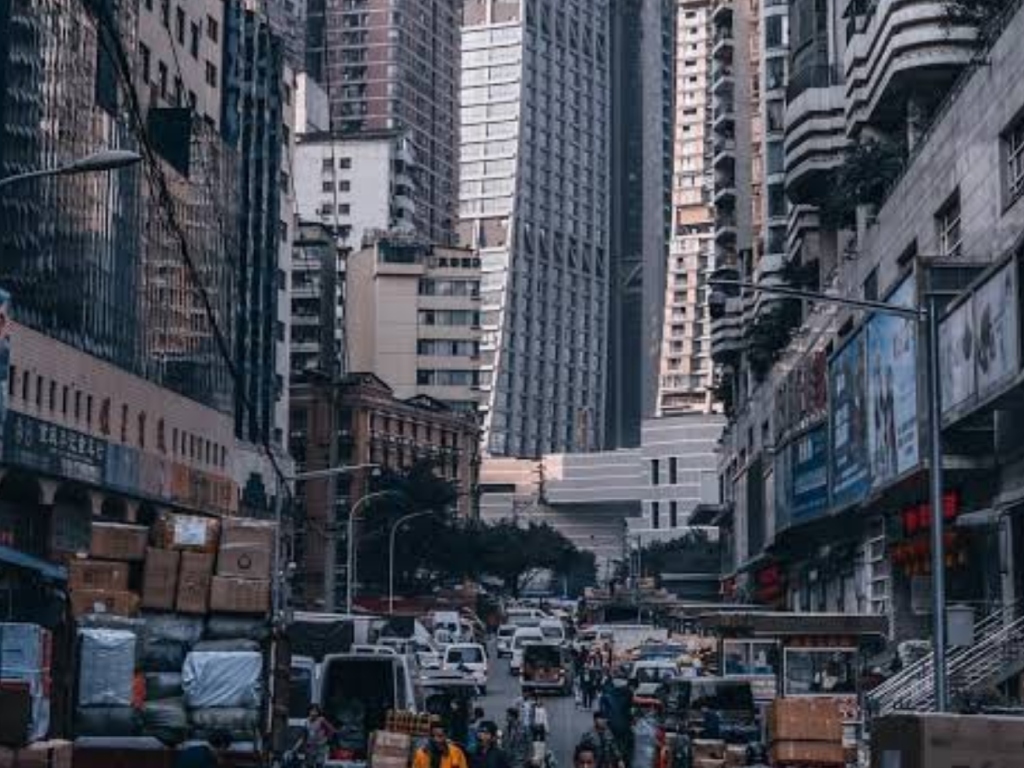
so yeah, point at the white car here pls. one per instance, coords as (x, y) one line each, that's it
(523, 637)
(469, 658)
(553, 631)
(505, 634)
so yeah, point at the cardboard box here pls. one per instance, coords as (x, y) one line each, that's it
(117, 541)
(98, 574)
(735, 756)
(708, 749)
(805, 719)
(116, 602)
(160, 579)
(947, 741)
(188, 533)
(45, 754)
(819, 752)
(246, 548)
(239, 595)
(194, 577)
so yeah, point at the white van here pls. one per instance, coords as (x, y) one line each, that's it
(505, 634)
(553, 631)
(470, 658)
(523, 637)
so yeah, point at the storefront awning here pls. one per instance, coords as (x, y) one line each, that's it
(20, 559)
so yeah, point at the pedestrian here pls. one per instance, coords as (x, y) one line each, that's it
(539, 724)
(516, 741)
(439, 752)
(209, 755)
(488, 754)
(315, 740)
(474, 725)
(584, 756)
(603, 743)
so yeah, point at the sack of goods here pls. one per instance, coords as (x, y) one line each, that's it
(25, 682)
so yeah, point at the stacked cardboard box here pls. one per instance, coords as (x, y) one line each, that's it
(928, 740)
(43, 754)
(101, 583)
(26, 657)
(244, 564)
(708, 753)
(806, 730)
(390, 750)
(735, 756)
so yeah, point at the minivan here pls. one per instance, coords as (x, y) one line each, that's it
(523, 637)
(470, 658)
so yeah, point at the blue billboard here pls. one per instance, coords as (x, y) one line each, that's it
(848, 424)
(810, 475)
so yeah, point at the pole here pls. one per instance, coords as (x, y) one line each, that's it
(391, 554)
(331, 518)
(278, 575)
(938, 544)
(350, 570)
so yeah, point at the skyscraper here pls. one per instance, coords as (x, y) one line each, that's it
(686, 380)
(386, 70)
(534, 201)
(642, 58)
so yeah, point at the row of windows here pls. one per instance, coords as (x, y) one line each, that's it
(434, 287)
(393, 425)
(673, 514)
(447, 378)
(449, 317)
(81, 407)
(673, 470)
(447, 348)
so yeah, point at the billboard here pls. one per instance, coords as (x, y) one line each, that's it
(997, 348)
(956, 358)
(810, 476)
(783, 487)
(5, 355)
(892, 412)
(848, 423)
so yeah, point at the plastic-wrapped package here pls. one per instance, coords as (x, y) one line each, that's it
(222, 679)
(107, 667)
(163, 685)
(171, 626)
(163, 655)
(234, 627)
(243, 724)
(227, 646)
(107, 721)
(165, 720)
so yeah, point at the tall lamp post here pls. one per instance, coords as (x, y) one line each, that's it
(329, 563)
(928, 317)
(104, 160)
(351, 567)
(391, 553)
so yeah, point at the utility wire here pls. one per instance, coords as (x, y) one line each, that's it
(110, 40)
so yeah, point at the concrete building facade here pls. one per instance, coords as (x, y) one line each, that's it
(316, 299)
(534, 204)
(396, 70)
(413, 318)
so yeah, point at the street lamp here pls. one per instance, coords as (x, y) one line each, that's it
(350, 569)
(104, 160)
(929, 317)
(391, 553)
(330, 558)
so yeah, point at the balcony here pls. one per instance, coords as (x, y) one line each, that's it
(725, 153)
(723, 80)
(725, 229)
(724, 42)
(727, 333)
(721, 16)
(816, 134)
(725, 116)
(725, 189)
(904, 47)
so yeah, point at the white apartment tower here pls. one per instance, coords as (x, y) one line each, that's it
(534, 202)
(686, 371)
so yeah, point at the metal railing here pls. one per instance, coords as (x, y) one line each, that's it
(817, 76)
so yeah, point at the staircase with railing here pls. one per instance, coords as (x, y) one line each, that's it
(996, 655)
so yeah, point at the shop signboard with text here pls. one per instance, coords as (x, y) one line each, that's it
(892, 412)
(849, 462)
(810, 476)
(53, 449)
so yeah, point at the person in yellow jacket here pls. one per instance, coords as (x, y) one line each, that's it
(439, 752)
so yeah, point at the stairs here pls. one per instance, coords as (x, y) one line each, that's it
(996, 656)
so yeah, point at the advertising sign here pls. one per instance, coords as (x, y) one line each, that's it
(956, 358)
(892, 391)
(53, 449)
(783, 487)
(810, 476)
(5, 354)
(122, 469)
(997, 348)
(848, 423)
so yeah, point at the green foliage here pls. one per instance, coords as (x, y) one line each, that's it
(985, 15)
(867, 172)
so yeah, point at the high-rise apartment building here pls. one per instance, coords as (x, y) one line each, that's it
(315, 302)
(686, 373)
(391, 69)
(413, 319)
(642, 87)
(534, 202)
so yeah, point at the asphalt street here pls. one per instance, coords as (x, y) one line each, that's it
(568, 723)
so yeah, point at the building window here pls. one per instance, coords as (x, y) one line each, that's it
(161, 440)
(655, 515)
(344, 186)
(162, 75)
(345, 163)
(64, 401)
(88, 410)
(655, 472)
(344, 209)
(174, 441)
(78, 405)
(673, 514)
(12, 380)
(165, 13)
(39, 391)
(144, 60)
(105, 416)
(124, 423)
(142, 430)
(193, 46)
(53, 396)
(179, 24)
(328, 186)
(871, 285)
(947, 225)
(327, 164)
(211, 75)
(212, 28)
(1014, 142)
(673, 471)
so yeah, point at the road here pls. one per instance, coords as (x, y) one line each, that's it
(568, 723)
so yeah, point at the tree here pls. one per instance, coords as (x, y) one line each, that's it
(514, 554)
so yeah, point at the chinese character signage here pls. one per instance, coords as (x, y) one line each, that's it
(810, 475)
(848, 423)
(892, 411)
(54, 449)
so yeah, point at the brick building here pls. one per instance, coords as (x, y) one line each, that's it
(372, 427)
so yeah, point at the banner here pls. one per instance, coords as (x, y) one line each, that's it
(956, 358)
(810, 476)
(848, 423)
(893, 434)
(997, 351)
